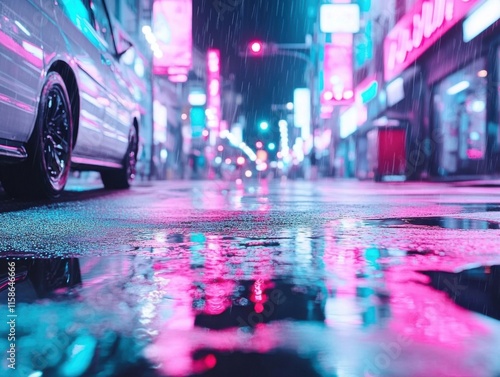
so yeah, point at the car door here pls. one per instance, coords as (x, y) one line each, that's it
(116, 121)
(80, 40)
(21, 64)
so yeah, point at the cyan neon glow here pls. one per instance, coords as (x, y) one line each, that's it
(370, 92)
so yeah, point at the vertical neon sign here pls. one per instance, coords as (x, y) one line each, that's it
(338, 71)
(214, 89)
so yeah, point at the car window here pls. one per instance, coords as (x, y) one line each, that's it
(102, 24)
(78, 12)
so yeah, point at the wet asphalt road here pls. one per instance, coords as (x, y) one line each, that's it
(326, 278)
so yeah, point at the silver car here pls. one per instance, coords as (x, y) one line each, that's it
(65, 97)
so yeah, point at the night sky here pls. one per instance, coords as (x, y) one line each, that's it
(262, 81)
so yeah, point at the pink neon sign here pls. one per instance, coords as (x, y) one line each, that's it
(172, 28)
(338, 71)
(214, 89)
(419, 29)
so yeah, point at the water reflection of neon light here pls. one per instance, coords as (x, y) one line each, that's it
(10, 44)
(21, 26)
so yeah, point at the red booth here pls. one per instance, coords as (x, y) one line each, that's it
(387, 152)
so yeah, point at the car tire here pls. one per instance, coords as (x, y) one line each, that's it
(49, 275)
(45, 172)
(121, 179)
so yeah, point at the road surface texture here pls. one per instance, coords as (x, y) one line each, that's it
(269, 278)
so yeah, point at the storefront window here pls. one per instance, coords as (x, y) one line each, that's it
(460, 117)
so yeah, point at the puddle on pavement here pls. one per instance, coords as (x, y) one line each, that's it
(251, 364)
(476, 289)
(226, 304)
(440, 222)
(475, 207)
(209, 310)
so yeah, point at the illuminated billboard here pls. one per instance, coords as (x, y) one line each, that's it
(160, 122)
(302, 111)
(338, 71)
(214, 89)
(419, 29)
(172, 28)
(339, 18)
(482, 18)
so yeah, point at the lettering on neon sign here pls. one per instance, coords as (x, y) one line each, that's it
(426, 23)
(419, 29)
(213, 62)
(214, 89)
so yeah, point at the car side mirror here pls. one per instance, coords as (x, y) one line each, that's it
(125, 47)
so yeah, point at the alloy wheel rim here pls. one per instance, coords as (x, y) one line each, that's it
(56, 130)
(132, 157)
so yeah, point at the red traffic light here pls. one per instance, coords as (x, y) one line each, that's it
(256, 47)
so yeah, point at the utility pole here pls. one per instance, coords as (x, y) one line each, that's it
(257, 49)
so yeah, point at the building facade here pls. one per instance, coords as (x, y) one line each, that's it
(437, 71)
(447, 81)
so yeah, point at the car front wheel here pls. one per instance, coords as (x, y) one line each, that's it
(45, 172)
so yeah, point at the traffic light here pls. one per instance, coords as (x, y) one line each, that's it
(257, 47)
(264, 126)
